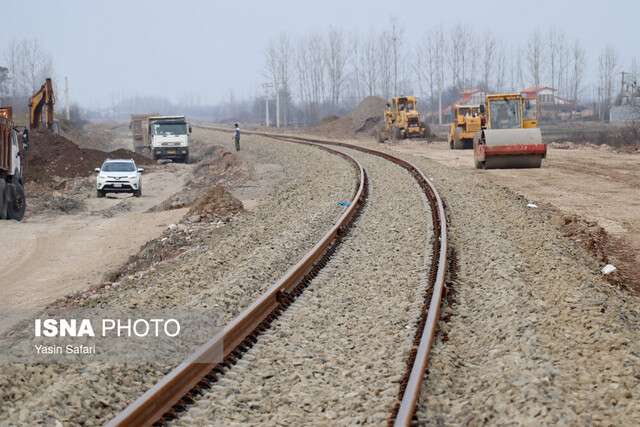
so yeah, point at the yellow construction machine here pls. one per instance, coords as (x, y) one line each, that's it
(402, 120)
(43, 99)
(467, 120)
(511, 138)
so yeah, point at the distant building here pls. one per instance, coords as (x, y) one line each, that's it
(545, 95)
(468, 97)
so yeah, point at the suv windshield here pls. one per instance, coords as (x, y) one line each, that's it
(169, 129)
(119, 167)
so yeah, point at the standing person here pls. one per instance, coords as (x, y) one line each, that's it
(236, 137)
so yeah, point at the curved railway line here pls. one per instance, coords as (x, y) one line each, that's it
(178, 389)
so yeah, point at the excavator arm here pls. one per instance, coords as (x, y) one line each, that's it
(41, 99)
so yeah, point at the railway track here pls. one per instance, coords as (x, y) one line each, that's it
(179, 388)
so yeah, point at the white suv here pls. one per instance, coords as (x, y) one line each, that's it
(119, 176)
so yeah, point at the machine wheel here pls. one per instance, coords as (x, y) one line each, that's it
(99, 193)
(3, 199)
(457, 143)
(476, 140)
(394, 133)
(378, 134)
(17, 206)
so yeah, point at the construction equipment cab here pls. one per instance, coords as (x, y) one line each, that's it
(402, 120)
(43, 99)
(467, 120)
(511, 138)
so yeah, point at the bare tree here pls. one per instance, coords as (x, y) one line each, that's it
(277, 68)
(396, 35)
(369, 66)
(578, 63)
(317, 54)
(37, 65)
(608, 64)
(534, 58)
(355, 63)
(456, 54)
(385, 61)
(489, 59)
(556, 50)
(500, 68)
(336, 56)
(427, 66)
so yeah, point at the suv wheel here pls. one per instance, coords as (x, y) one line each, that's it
(100, 193)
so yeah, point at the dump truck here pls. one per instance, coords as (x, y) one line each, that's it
(13, 201)
(169, 137)
(511, 138)
(402, 120)
(139, 126)
(467, 120)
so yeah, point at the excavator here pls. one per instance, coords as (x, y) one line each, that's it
(510, 138)
(402, 120)
(43, 99)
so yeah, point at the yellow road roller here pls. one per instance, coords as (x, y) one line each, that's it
(511, 138)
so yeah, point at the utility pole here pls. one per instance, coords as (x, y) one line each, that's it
(277, 106)
(622, 88)
(266, 87)
(66, 91)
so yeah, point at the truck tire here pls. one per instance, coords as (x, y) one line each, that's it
(3, 199)
(17, 207)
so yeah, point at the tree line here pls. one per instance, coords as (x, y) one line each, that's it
(320, 74)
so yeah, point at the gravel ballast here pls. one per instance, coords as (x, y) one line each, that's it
(226, 272)
(338, 353)
(537, 336)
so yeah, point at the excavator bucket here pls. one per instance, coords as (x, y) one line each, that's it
(509, 148)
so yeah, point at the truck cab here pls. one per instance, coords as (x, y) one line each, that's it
(169, 138)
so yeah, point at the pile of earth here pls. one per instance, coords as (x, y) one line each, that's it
(50, 156)
(604, 247)
(361, 120)
(217, 167)
(216, 202)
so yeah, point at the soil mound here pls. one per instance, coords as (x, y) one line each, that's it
(362, 119)
(371, 109)
(216, 202)
(50, 155)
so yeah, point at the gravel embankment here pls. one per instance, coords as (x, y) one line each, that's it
(537, 337)
(230, 271)
(338, 354)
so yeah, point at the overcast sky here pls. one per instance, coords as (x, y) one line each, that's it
(210, 48)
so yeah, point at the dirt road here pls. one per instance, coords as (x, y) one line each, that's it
(52, 256)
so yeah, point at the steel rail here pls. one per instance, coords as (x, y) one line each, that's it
(425, 335)
(410, 388)
(241, 332)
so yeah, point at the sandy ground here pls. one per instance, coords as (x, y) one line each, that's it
(52, 256)
(597, 184)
